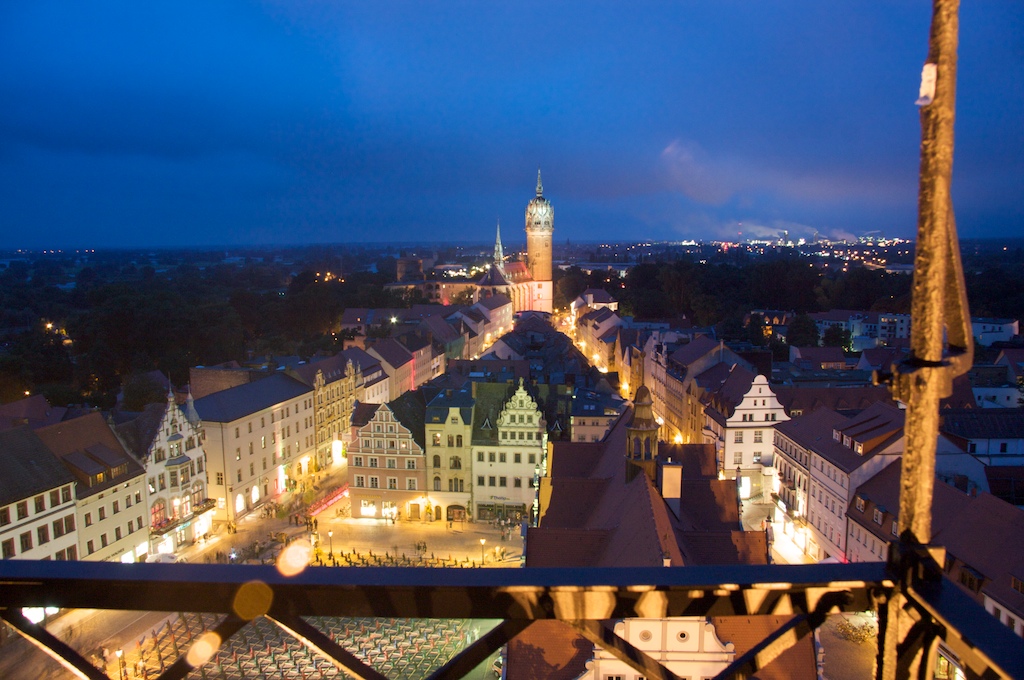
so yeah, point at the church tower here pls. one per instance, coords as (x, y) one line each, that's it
(540, 220)
(499, 252)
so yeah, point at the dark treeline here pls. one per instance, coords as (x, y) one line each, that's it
(117, 315)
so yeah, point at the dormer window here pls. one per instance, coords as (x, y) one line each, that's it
(878, 517)
(860, 504)
(858, 448)
(837, 435)
(847, 442)
(895, 527)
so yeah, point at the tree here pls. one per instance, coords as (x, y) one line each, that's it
(802, 332)
(837, 337)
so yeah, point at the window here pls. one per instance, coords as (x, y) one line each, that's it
(65, 494)
(374, 461)
(26, 541)
(878, 516)
(1002, 447)
(220, 479)
(757, 457)
(40, 503)
(490, 457)
(738, 437)
(458, 440)
(533, 459)
(517, 457)
(490, 481)
(451, 440)
(374, 482)
(392, 463)
(502, 457)
(410, 463)
(43, 534)
(393, 483)
(455, 463)
(737, 458)
(88, 519)
(103, 540)
(23, 510)
(517, 482)
(895, 527)
(117, 507)
(5, 516)
(360, 481)
(479, 456)
(1017, 584)
(410, 484)
(238, 474)
(480, 480)
(860, 504)
(102, 512)
(117, 533)
(8, 549)
(357, 461)
(758, 435)
(437, 483)
(437, 439)
(502, 481)
(90, 547)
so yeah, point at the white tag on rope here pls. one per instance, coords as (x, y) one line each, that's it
(927, 93)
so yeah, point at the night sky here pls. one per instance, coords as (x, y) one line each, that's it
(216, 123)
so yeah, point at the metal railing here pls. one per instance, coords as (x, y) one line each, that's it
(584, 599)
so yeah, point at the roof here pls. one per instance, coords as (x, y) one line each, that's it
(409, 410)
(87, 443)
(875, 428)
(496, 301)
(693, 350)
(34, 411)
(492, 277)
(138, 434)
(698, 460)
(819, 356)
(548, 649)
(983, 423)
(597, 295)
(1006, 482)
(29, 467)
(438, 408)
(391, 352)
(806, 399)
(746, 632)
(882, 491)
(488, 399)
(362, 413)
(243, 400)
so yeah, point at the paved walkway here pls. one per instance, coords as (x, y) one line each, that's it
(784, 551)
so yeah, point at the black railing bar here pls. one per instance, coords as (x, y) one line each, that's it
(472, 656)
(181, 667)
(980, 639)
(600, 634)
(66, 656)
(315, 639)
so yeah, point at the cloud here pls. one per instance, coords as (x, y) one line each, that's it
(717, 179)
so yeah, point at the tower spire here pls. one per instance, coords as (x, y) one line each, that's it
(499, 252)
(540, 187)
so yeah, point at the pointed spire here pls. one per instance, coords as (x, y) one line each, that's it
(499, 252)
(540, 187)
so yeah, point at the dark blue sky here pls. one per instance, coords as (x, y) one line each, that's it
(196, 123)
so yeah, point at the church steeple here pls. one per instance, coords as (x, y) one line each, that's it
(540, 187)
(499, 252)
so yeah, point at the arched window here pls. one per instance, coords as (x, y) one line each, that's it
(437, 483)
(437, 461)
(458, 440)
(197, 494)
(455, 463)
(158, 512)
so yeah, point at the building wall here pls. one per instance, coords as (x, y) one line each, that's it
(387, 470)
(113, 524)
(41, 527)
(259, 455)
(449, 463)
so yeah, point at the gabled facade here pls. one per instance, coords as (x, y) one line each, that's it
(170, 447)
(509, 454)
(386, 465)
(740, 416)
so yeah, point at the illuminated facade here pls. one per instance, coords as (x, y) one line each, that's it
(386, 464)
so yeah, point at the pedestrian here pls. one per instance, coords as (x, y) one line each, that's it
(315, 525)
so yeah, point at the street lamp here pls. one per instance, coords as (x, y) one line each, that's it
(482, 541)
(330, 542)
(122, 671)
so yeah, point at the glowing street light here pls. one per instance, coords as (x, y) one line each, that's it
(330, 542)
(482, 542)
